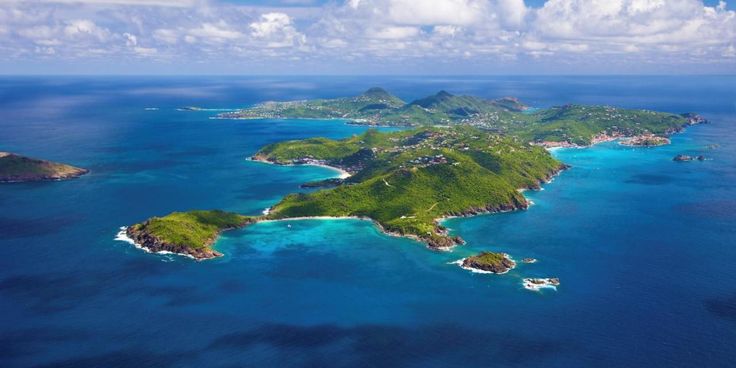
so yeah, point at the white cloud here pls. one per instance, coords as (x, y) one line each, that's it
(167, 36)
(37, 32)
(130, 40)
(163, 3)
(45, 50)
(729, 52)
(361, 32)
(449, 31)
(277, 30)
(334, 43)
(512, 12)
(652, 29)
(457, 12)
(394, 32)
(615, 18)
(215, 32)
(86, 28)
(145, 51)
(270, 24)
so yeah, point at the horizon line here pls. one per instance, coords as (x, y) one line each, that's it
(363, 75)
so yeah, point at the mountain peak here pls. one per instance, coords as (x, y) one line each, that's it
(443, 94)
(376, 92)
(430, 101)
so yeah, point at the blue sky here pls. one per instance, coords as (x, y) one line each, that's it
(367, 37)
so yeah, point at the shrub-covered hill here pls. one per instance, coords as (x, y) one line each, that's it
(189, 233)
(406, 180)
(17, 168)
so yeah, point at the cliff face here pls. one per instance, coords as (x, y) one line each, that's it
(189, 233)
(152, 243)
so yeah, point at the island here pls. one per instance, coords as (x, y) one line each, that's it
(488, 262)
(457, 156)
(185, 233)
(568, 125)
(406, 181)
(15, 168)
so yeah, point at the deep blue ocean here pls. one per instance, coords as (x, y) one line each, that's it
(645, 247)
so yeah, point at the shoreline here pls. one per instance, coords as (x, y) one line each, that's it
(603, 138)
(529, 202)
(460, 262)
(122, 236)
(378, 225)
(445, 243)
(346, 121)
(342, 173)
(219, 117)
(537, 284)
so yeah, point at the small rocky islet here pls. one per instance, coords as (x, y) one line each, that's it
(498, 263)
(536, 284)
(687, 158)
(646, 140)
(15, 168)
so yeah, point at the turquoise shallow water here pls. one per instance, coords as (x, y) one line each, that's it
(644, 247)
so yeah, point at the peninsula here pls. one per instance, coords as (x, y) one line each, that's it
(16, 168)
(186, 233)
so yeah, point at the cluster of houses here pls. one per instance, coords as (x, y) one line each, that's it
(424, 161)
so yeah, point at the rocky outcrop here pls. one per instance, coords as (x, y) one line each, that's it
(694, 119)
(646, 140)
(535, 284)
(686, 158)
(490, 262)
(443, 242)
(153, 244)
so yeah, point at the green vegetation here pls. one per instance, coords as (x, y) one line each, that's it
(466, 155)
(406, 180)
(488, 258)
(16, 168)
(378, 107)
(370, 104)
(569, 124)
(490, 261)
(578, 124)
(317, 148)
(191, 230)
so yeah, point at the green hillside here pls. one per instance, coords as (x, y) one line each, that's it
(412, 178)
(568, 124)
